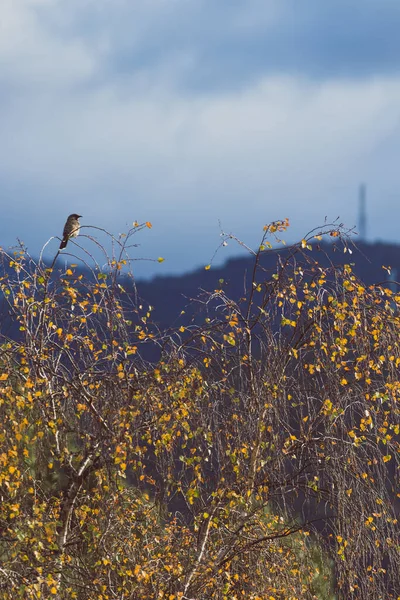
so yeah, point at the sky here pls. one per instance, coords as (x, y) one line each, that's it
(197, 116)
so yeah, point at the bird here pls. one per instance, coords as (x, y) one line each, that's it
(71, 229)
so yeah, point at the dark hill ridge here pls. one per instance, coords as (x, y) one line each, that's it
(172, 294)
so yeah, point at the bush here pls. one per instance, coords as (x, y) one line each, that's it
(257, 457)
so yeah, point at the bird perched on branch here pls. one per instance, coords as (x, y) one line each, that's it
(71, 229)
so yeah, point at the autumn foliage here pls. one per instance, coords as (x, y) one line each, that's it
(253, 453)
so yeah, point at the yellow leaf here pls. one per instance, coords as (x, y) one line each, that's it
(160, 259)
(148, 224)
(207, 267)
(3, 376)
(387, 458)
(233, 320)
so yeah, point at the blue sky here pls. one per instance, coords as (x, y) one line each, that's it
(190, 112)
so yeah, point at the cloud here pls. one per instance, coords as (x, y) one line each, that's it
(98, 116)
(32, 56)
(218, 45)
(232, 44)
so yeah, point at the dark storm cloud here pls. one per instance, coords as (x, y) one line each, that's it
(231, 44)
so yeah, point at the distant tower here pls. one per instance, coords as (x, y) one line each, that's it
(362, 212)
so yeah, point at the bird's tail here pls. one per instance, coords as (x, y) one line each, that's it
(63, 243)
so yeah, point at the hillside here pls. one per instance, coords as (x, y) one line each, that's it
(172, 294)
